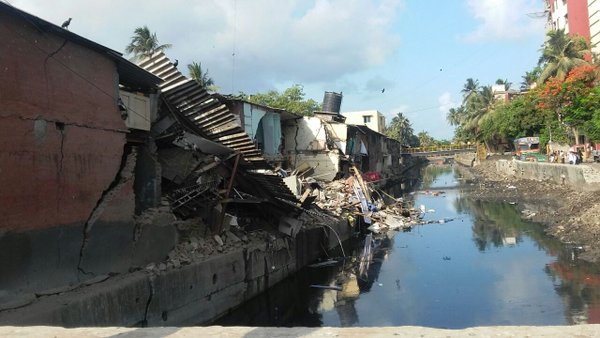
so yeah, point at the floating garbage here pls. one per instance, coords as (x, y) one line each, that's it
(328, 287)
(326, 263)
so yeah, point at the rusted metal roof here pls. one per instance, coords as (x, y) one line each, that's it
(206, 112)
(211, 118)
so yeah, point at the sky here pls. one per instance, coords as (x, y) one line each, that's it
(420, 51)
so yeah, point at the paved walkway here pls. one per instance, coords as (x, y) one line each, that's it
(580, 331)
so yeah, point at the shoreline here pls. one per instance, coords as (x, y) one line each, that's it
(568, 213)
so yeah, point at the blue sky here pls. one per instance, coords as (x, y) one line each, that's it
(420, 51)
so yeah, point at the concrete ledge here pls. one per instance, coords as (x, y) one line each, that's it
(585, 177)
(188, 295)
(581, 331)
(465, 159)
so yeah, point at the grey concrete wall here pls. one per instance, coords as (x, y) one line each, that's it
(583, 176)
(579, 331)
(192, 294)
(466, 159)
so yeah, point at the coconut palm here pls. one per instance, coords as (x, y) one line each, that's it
(470, 89)
(400, 129)
(560, 54)
(144, 43)
(200, 76)
(483, 103)
(505, 83)
(456, 116)
(530, 78)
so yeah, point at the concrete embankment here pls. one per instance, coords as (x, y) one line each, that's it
(582, 176)
(191, 294)
(580, 331)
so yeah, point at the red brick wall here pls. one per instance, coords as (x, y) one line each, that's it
(61, 135)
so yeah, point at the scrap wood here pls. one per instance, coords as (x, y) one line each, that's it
(364, 187)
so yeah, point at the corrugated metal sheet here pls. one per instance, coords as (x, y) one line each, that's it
(214, 121)
(205, 111)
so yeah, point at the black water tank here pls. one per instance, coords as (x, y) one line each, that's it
(332, 102)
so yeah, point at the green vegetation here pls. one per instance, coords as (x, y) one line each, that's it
(291, 99)
(560, 100)
(201, 76)
(144, 43)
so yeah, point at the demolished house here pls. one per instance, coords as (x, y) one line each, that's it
(211, 165)
(326, 147)
(75, 123)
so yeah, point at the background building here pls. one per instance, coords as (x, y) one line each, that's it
(370, 118)
(572, 16)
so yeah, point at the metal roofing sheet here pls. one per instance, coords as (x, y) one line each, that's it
(213, 120)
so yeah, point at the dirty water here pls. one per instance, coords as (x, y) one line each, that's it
(485, 267)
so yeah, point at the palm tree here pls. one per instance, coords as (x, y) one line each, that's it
(560, 54)
(470, 89)
(456, 116)
(505, 83)
(400, 129)
(530, 78)
(144, 43)
(200, 76)
(482, 105)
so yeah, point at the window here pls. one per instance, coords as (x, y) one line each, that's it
(367, 118)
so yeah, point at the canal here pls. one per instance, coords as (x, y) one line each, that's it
(478, 263)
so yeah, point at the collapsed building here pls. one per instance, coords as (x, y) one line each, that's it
(132, 191)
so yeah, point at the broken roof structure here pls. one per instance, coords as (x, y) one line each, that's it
(193, 119)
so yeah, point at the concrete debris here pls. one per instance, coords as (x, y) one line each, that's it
(218, 239)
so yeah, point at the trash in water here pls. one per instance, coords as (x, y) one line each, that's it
(326, 263)
(329, 287)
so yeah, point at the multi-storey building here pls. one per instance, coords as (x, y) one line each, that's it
(594, 20)
(570, 15)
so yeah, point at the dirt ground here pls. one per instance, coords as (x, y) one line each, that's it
(571, 215)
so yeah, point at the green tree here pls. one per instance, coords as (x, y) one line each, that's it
(201, 76)
(469, 90)
(560, 54)
(292, 99)
(144, 43)
(400, 129)
(530, 78)
(425, 139)
(505, 83)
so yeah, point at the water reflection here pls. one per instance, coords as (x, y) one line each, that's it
(488, 267)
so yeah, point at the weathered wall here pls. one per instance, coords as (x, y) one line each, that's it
(67, 200)
(192, 294)
(581, 176)
(466, 159)
(306, 134)
(58, 113)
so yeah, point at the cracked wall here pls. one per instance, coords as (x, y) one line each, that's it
(61, 145)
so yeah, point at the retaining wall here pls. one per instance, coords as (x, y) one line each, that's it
(582, 176)
(193, 294)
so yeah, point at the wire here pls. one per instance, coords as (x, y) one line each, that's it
(233, 51)
(52, 55)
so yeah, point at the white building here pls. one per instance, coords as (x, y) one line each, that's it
(594, 18)
(373, 119)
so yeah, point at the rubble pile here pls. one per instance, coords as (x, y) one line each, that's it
(353, 197)
(197, 243)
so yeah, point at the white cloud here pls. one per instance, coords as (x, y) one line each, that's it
(445, 103)
(501, 19)
(274, 41)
